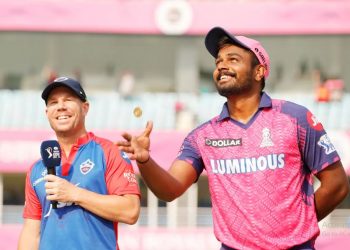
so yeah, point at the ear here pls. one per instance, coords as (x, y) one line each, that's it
(260, 72)
(86, 106)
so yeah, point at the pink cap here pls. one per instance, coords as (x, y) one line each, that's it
(215, 35)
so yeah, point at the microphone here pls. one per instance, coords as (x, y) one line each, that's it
(51, 155)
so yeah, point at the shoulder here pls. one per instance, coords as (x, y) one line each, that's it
(202, 127)
(36, 166)
(289, 108)
(301, 114)
(106, 145)
(36, 170)
(110, 149)
(104, 142)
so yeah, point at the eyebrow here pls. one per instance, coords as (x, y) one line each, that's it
(230, 54)
(233, 54)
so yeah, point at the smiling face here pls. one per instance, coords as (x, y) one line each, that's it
(66, 112)
(234, 72)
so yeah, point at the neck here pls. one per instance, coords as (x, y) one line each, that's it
(243, 107)
(67, 141)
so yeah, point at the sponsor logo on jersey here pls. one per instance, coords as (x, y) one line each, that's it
(247, 165)
(313, 122)
(130, 176)
(221, 143)
(86, 166)
(326, 144)
(266, 138)
(262, 57)
(37, 181)
(125, 157)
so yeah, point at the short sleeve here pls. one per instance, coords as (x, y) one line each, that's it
(317, 150)
(120, 176)
(32, 207)
(190, 153)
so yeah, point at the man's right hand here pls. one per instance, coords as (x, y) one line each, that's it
(167, 185)
(137, 147)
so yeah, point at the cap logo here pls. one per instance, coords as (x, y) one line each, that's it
(261, 56)
(60, 79)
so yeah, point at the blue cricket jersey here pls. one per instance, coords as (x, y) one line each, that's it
(94, 164)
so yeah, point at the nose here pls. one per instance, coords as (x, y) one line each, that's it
(221, 65)
(61, 105)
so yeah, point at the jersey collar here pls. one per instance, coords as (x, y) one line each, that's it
(84, 139)
(265, 102)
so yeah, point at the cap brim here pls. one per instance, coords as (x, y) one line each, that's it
(213, 38)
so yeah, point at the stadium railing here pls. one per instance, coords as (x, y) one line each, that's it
(24, 109)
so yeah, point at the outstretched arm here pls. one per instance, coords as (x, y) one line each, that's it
(334, 188)
(166, 185)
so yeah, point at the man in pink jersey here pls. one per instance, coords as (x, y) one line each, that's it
(260, 155)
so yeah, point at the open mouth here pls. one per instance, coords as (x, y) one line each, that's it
(63, 117)
(225, 75)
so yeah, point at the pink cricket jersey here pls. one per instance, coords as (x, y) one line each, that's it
(260, 174)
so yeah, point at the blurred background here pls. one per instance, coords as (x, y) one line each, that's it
(151, 54)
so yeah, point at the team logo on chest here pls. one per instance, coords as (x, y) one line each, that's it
(86, 166)
(266, 138)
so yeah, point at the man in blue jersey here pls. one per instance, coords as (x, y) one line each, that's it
(95, 186)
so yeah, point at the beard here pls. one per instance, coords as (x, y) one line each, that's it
(234, 89)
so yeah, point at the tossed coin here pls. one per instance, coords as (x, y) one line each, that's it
(137, 112)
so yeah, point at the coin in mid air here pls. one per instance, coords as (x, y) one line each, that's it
(137, 112)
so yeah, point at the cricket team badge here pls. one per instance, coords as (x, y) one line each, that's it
(266, 138)
(86, 166)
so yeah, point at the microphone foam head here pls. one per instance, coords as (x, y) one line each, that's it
(50, 153)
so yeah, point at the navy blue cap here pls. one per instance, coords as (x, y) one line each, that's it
(70, 83)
